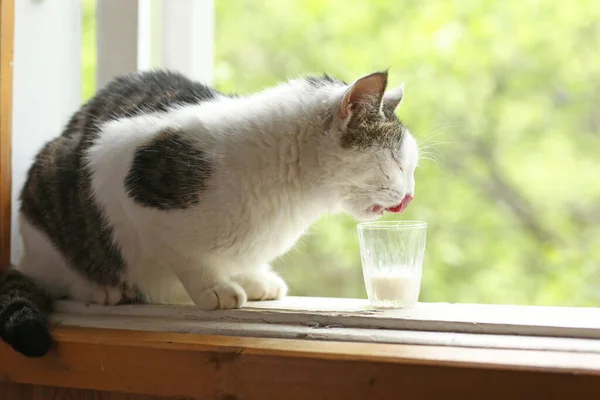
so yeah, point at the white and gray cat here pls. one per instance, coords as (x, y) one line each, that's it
(163, 190)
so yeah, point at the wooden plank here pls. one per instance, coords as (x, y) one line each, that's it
(233, 327)
(564, 322)
(7, 14)
(214, 367)
(14, 391)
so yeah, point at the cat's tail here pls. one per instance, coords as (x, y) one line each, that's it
(24, 309)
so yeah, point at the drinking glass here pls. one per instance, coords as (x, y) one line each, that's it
(392, 261)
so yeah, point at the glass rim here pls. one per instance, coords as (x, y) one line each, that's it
(392, 225)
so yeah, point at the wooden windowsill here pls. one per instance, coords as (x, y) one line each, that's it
(352, 320)
(219, 367)
(329, 362)
(303, 348)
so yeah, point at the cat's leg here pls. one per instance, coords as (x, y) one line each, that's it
(261, 283)
(209, 289)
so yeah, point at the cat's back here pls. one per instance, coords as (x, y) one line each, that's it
(135, 94)
(62, 161)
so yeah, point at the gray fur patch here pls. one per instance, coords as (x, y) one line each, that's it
(56, 200)
(168, 173)
(131, 295)
(368, 128)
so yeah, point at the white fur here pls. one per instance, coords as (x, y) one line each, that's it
(275, 171)
(46, 266)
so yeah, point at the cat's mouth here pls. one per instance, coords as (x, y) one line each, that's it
(397, 209)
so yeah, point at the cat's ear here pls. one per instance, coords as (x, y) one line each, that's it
(393, 97)
(365, 92)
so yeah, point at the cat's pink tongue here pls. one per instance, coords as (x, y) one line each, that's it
(402, 206)
(396, 209)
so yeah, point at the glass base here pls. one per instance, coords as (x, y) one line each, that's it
(392, 304)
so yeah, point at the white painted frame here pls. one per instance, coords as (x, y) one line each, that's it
(469, 325)
(116, 39)
(46, 85)
(188, 38)
(137, 35)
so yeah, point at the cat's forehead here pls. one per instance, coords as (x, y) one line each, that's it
(374, 131)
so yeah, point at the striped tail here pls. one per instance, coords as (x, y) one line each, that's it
(24, 309)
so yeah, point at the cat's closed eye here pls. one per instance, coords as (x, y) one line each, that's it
(397, 161)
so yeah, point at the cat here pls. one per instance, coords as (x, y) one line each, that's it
(163, 190)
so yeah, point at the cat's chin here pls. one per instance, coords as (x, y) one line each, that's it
(368, 215)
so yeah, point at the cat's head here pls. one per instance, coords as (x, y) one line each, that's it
(373, 161)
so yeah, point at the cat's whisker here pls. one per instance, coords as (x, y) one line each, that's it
(432, 151)
(432, 133)
(435, 161)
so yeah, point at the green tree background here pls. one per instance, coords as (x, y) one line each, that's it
(503, 95)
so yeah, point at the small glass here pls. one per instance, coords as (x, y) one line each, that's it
(392, 260)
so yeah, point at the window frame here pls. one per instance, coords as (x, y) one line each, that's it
(6, 79)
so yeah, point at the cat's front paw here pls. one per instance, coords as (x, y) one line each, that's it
(262, 285)
(223, 295)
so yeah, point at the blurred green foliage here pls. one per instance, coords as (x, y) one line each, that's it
(504, 95)
(88, 49)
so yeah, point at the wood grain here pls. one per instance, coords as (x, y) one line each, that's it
(6, 60)
(215, 367)
(14, 391)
